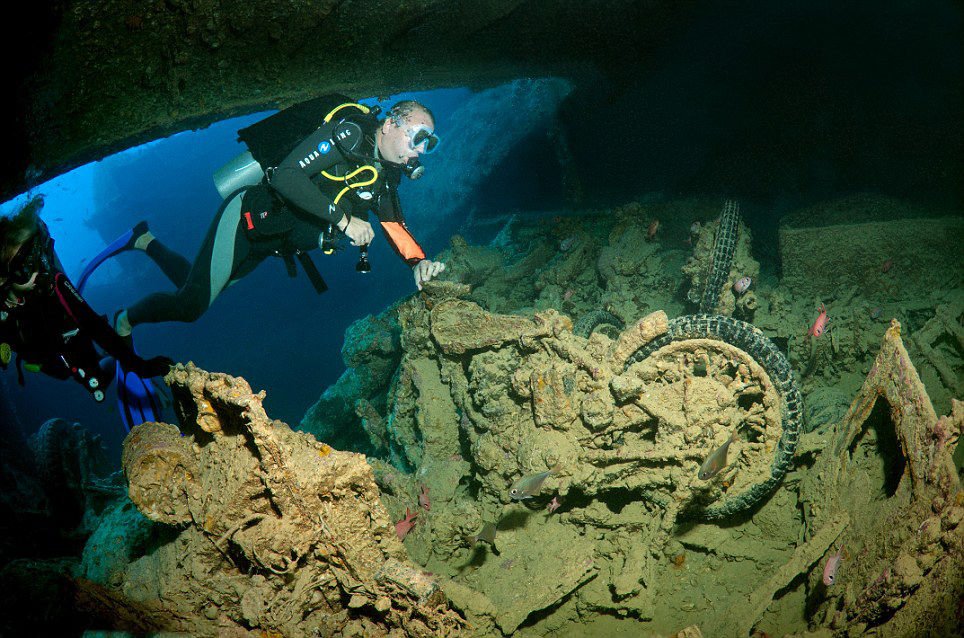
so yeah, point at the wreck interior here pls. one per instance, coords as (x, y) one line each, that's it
(589, 327)
(90, 79)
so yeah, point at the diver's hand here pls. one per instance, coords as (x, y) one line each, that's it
(14, 295)
(425, 270)
(30, 284)
(358, 231)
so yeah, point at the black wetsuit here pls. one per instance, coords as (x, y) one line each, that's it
(51, 326)
(286, 216)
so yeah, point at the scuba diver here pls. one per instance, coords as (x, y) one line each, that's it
(51, 329)
(312, 173)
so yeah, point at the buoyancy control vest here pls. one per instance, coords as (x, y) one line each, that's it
(270, 141)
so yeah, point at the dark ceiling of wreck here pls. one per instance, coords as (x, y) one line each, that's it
(93, 78)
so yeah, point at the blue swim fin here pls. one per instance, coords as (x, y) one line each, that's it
(119, 245)
(136, 398)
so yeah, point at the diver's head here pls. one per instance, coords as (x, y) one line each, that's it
(16, 229)
(407, 132)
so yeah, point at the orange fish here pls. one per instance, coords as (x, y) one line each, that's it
(820, 323)
(651, 231)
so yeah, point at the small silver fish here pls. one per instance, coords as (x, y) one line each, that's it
(529, 486)
(487, 534)
(830, 569)
(717, 460)
(742, 285)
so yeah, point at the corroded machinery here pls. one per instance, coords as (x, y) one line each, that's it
(720, 257)
(653, 403)
(750, 349)
(724, 245)
(277, 532)
(886, 472)
(482, 399)
(460, 402)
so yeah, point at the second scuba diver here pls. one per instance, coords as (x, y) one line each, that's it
(49, 327)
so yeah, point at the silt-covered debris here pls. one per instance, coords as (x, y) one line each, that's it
(548, 356)
(267, 529)
(565, 444)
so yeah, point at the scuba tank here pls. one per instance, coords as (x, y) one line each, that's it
(241, 171)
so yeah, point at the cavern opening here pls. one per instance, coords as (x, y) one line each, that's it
(878, 449)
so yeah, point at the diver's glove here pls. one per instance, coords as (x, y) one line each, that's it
(426, 270)
(358, 230)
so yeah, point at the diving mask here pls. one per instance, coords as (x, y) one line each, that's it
(422, 136)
